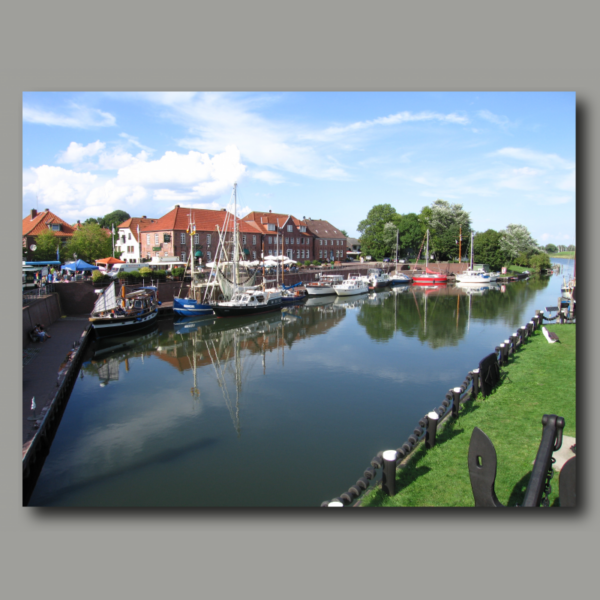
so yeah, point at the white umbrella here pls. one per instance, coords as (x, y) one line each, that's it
(289, 261)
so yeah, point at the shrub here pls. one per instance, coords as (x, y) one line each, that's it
(145, 271)
(160, 274)
(316, 262)
(178, 272)
(99, 276)
(307, 262)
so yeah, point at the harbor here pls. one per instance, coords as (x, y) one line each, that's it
(311, 382)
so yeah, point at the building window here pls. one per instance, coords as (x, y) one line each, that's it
(166, 254)
(208, 237)
(298, 254)
(320, 253)
(155, 238)
(254, 241)
(129, 235)
(303, 229)
(320, 242)
(183, 256)
(157, 254)
(290, 228)
(287, 241)
(183, 239)
(244, 240)
(196, 239)
(148, 238)
(270, 239)
(208, 256)
(292, 241)
(254, 254)
(307, 254)
(303, 254)
(270, 252)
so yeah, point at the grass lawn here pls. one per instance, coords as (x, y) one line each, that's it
(540, 379)
(563, 255)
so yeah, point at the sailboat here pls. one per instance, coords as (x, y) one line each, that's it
(429, 277)
(471, 275)
(125, 313)
(245, 301)
(193, 304)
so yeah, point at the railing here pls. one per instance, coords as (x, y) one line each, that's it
(480, 380)
(31, 295)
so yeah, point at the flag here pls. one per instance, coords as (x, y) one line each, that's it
(33, 403)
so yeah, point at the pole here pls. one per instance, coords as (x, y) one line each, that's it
(459, 243)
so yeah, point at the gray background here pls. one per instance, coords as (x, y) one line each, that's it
(325, 45)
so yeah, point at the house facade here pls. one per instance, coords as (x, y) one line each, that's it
(36, 223)
(283, 235)
(169, 237)
(329, 242)
(127, 240)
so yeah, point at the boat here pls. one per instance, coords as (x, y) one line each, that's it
(472, 275)
(399, 279)
(324, 286)
(429, 277)
(193, 305)
(249, 302)
(289, 295)
(355, 284)
(117, 314)
(377, 278)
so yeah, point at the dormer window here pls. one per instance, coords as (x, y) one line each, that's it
(271, 227)
(290, 228)
(54, 226)
(303, 229)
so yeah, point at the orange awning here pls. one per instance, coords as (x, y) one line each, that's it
(109, 261)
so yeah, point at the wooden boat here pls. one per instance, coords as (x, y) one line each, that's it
(115, 314)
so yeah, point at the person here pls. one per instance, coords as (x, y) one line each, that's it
(42, 334)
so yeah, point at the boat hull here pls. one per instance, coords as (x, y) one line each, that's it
(189, 307)
(352, 292)
(430, 279)
(319, 290)
(106, 327)
(244, 311)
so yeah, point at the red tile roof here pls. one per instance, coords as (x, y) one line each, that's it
(262, 219)
(206, 220)
(40, 221)
(323, 229)
(133, 222)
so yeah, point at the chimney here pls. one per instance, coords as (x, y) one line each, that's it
(144, 217)
(177, 206)
(269, 210)
(47, 209)
(33, 214)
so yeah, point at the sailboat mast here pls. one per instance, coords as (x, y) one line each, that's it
(235, 239)
(427, 252)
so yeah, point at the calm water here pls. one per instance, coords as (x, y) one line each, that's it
(284, 410)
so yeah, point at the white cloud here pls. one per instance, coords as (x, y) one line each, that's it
(267, 176)
(118, 159)
(545, 161)
(500, 120)
(75, 153)
(554, 200)
(79, 117)
(396, 119)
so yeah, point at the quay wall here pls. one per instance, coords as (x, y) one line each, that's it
(45, 310)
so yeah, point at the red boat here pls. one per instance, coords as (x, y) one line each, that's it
(429, 277)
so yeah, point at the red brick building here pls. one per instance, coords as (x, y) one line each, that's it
(168, 236)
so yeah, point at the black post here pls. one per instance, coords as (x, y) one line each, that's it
(508, 349)
(455, 401)
(432, 421)
(502, 354)
(388, 481)
(475, 373)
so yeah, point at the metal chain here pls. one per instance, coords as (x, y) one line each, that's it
(545, 502)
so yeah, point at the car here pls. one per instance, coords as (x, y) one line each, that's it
(386, 260)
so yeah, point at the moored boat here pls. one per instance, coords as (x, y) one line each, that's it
(324, 286)
(377, 278)
(399, 279)
(115, 314)
(429, 277)
(249, 302)
(355, 284)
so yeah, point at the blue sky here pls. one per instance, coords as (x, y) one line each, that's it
(507, 157)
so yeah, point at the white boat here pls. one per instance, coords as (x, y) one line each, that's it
(377, 278)
(354, 285)
(324, 286)
(250, 302)
(399, 279)
(471, 275)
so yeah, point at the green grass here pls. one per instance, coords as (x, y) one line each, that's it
(518, 269)
(563, 255)
(540, 379)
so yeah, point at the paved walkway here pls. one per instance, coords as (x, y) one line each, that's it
(41, 363)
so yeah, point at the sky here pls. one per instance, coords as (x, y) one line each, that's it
(506, 157)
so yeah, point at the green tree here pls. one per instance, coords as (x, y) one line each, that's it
(90, 242)
(46, 244)
(551, 249)
(540, 262)
(446, 222)
(516, 240)
(411, 234)
(114, 218)
(487, 250)
(372, 239)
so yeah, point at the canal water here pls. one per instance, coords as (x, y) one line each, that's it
(283, 410)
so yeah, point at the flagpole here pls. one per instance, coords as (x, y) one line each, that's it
(113, 239)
